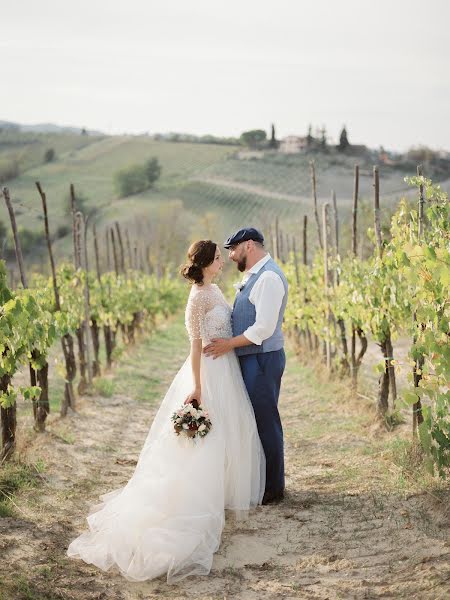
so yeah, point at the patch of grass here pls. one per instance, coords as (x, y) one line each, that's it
(145, 371)
(40, 465)
(104, 387)
(406, 454)
(6, 510)
(408, 471)
(45, 572)
(15, 477)
(23, 589)
(66, 436)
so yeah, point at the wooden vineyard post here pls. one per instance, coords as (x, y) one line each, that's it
(136, 264)
(81, 227)
(297, 274)
(314, 197)
(276, 241)
(130, 256)
(108, 252)
(41, 405)
(118, 269)
(305, 262)
(141, 257)
(299, 334)
(355, 210)
(340, 322)
(376, 185)
(75, 233)
(108, 333)
(95, 330)
(137, 316)
(148, 260)
(356, 361)
(17, 246)
(305, 239)
(80, 332)
(420, 360)
(66, 341)
(325, 218)
(114, 252)
(122, 253)
(96, 252)
(336, 230)
(135, 255)
(280, 245)
(383, 390)
(354, 253)
(387, 379)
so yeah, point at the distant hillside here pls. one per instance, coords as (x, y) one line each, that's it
(204, 190)
(46, 128)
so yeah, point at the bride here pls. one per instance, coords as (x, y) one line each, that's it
(168, 518)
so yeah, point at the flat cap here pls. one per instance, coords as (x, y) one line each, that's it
(248, 233)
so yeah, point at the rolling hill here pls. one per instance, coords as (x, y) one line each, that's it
(210, 188)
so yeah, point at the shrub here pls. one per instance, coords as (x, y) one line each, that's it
(137, 178)
(9, 169)
(152, 170)
(253, 138)
(31, 242)
(421, 154)
(49, 155)
(62, 231)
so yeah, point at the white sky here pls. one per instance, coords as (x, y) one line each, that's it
(221, 67)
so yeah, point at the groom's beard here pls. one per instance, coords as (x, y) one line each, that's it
(241, 264)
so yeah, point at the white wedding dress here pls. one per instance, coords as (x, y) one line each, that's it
(168, 518)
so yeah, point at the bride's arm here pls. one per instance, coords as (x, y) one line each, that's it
(195, 314)
(196, 354)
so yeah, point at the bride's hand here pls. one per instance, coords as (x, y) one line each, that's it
(195, 395)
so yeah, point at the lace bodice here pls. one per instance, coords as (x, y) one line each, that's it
(208, 314)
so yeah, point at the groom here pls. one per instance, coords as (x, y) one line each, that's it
(258, 341)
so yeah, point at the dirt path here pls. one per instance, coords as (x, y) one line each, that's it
(346, 529)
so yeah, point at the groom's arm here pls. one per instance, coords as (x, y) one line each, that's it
(267, 296)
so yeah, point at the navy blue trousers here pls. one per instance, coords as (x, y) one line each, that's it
(262, 377)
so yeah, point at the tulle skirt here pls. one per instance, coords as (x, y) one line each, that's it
(168, 518)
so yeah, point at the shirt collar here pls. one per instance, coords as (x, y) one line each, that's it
(256, 267)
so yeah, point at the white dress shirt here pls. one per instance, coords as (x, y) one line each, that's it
(266, 296)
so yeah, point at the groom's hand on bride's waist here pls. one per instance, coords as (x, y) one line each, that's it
(218, 346)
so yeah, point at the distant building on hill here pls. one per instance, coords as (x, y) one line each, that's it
(293, 144)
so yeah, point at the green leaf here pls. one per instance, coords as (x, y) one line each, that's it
(410, 398)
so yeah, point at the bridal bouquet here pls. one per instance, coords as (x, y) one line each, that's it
(191, 420)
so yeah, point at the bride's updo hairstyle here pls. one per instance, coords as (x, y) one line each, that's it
(200, 255)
